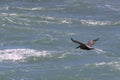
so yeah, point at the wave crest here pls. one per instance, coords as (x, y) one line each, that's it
(21, 54)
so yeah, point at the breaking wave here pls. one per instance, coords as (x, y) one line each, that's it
(21, 54)
(24, 20)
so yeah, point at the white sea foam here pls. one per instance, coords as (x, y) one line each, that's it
(21, 54)
(8, 14)
(94, 22)
(31, 9)
(37, 8)
(112, 8)
(99, 51)
(66, 21)
(47, 17)
(113, 64)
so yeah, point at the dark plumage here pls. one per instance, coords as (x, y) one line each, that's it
(87, 46)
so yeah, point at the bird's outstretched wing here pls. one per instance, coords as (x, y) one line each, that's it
(92, 42)
(77, 41)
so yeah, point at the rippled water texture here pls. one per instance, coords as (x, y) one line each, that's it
(35, 39)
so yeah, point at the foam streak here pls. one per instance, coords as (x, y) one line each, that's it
(20, 54)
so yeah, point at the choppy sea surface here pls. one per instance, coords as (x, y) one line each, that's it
(35, 39)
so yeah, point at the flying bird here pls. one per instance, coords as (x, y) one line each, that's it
(87, 46)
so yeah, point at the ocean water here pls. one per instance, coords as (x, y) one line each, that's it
(35, 39)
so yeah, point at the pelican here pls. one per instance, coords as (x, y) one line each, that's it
(87, 46)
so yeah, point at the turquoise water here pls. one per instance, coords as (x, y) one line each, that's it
(35, 39)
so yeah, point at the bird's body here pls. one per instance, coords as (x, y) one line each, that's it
(85, 46)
